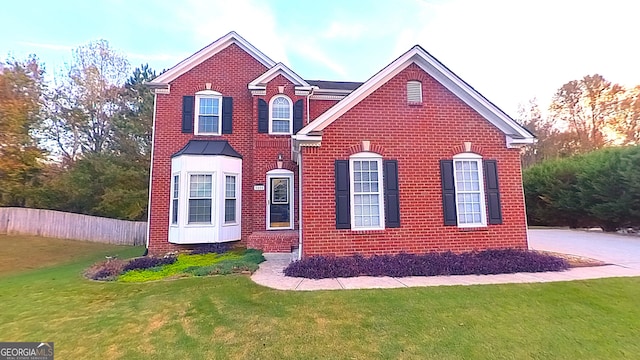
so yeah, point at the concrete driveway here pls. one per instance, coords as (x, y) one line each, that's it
(615, 249)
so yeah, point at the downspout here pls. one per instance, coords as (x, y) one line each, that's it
(300, 204)
(153, 142)
(300, 181)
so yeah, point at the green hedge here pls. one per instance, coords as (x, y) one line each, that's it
(601, 188)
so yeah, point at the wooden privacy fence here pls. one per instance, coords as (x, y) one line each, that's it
(58, 224)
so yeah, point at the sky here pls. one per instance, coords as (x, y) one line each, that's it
(510, 51)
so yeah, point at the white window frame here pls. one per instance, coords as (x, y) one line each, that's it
(207, 94)
(175, 199)
(470, 157)
(213, 199)
(225, 198)
(418, 84)
(271, 118)
(366, 156)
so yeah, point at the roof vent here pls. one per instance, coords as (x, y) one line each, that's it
(414, 92)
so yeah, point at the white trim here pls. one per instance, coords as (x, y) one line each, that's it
(280, 173)
(215, 47)
(207, 94)
(271, 132)
(172, 198)
(366, 156)
(279, 69)
(481, 184)
(153, 143)
(327, 97)
(224, 199)
(438, 71)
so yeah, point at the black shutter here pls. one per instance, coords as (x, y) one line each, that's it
(343, 212)
(493, 191)
(448, 192)
(297, 116)
(188, 109)
(263, 116)
(227, 115)
(391, 194)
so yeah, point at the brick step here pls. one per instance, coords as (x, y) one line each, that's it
(276, 241)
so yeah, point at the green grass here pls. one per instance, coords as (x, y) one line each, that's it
(25, 252)
(230, 317)
(199, 265)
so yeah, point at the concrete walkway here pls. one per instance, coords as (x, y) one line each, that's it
(270, 273)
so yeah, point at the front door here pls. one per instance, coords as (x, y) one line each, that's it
(279, 202)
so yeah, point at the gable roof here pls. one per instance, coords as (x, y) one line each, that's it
(279, 69)
(439, 72)
(208, 147)
(208, 51)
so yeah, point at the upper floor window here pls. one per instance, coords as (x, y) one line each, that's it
(280, 115)
(414, 92)
(208, 119)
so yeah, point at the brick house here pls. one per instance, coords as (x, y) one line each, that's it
(412, 160)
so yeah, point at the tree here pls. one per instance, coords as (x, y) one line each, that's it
(87, 99)
(21, 160)
(551, 141)
(134, 119)
(587, 108)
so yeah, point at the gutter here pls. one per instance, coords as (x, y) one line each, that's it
(153, 142)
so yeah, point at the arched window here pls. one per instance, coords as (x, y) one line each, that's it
(280, 115)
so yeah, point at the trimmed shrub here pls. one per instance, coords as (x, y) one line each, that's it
(217, 248)
(107, 270)
(146, 262)
(430, 264)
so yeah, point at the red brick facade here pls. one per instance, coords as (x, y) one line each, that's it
(417, 136)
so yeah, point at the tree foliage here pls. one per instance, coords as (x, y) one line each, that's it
(601, 188)
(21, 159)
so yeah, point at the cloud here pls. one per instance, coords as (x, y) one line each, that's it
(48, 46)
(311, 52)
(206, 21)
(344, 31)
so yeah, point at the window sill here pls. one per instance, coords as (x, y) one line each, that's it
(415, 103)
(207, 134)
(366, 231)
(280, 134)
(474, 228)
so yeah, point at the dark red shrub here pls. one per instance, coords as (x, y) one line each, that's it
(430, 264)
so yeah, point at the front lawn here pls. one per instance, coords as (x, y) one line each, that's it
(26, 252)
(231, 317)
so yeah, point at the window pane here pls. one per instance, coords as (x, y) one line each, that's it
(208, 124)
(209, 106)
(280, 126)
(366, 196)
(200, 186)
(230, 210)
(230, 186)
(199, 210)
(174, 212)
(176, 185)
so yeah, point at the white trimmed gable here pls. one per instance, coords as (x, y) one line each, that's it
(515, 134)
(260, 83)
(163, 80)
